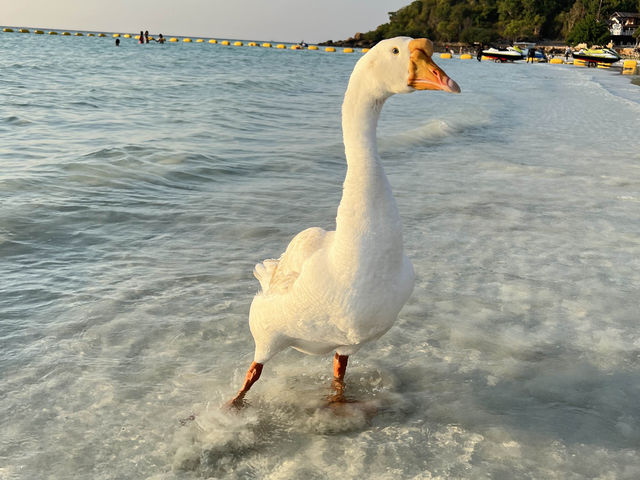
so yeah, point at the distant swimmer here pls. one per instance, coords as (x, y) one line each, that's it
(146, 36)
(141, 37)
(160, 38)
(117, 42)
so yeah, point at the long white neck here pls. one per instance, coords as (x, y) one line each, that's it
(367, 224)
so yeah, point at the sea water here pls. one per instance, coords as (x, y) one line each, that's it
(140, 184)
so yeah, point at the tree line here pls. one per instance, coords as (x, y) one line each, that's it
(491, 21)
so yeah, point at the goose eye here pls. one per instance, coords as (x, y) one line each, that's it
(395, 51)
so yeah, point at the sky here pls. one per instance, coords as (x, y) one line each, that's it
(277, 20)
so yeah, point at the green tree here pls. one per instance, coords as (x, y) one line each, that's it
(589, 31)
(611, 6)
(479, 34)
(488, 20)
(521, 19)
(573, 16)
(553, 11)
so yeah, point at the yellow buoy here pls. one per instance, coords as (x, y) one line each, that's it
(347, 50)
(8, 30)
(365, 50)
(296, 47)
(213, 40)
(38, 32)
(237, 44)
(225, 42)
(629, 67)
(78, 34)
(266, 45)
(173, 39)
(445, 55)
(281, 45)
(90, 35)
(200, 40)
(127, 35)
(116, 35)
(186, 40)
(24, 30)
(556, 61)
(252, 44)
(312, 47)
(465, 56)
(329, 49)
(66, 34)
(53, 33)
(101, 35)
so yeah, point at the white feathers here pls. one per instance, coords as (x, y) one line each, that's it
(277, 276)
(336, 290)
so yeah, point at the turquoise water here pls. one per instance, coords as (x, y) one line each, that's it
(140, 185)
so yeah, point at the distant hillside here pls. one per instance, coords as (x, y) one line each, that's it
(488, 21)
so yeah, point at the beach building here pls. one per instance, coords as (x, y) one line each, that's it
(622, 25)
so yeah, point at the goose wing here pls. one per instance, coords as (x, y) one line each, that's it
(278, 276)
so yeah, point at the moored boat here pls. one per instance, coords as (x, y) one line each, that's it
(508, 54)
(596, 55)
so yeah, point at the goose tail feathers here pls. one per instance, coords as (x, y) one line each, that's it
(264, 272)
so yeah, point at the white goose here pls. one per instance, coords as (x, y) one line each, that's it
(336, 290)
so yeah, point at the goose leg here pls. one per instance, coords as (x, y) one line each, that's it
(253, 374)
(339, 369)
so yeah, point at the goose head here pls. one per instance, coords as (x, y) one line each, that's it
(402, 65)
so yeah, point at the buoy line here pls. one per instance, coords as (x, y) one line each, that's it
(235, 43)
(630, 67)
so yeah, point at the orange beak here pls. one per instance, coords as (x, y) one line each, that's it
(424, 74)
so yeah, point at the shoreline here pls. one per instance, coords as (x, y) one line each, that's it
(550, 48)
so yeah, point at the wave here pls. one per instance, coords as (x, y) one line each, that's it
(436, 130)
(16, 120)
(132, 165)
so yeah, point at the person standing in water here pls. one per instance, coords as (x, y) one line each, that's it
(531, 55)
(146, 36)
(160, 39)
(141, 37)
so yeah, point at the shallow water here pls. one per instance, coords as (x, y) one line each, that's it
(140, 185)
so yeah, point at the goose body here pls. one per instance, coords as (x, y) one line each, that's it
(336, 290)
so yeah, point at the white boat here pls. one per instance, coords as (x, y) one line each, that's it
(508, 54)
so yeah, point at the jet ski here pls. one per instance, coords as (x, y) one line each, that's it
(508, 54)
(596, 55)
